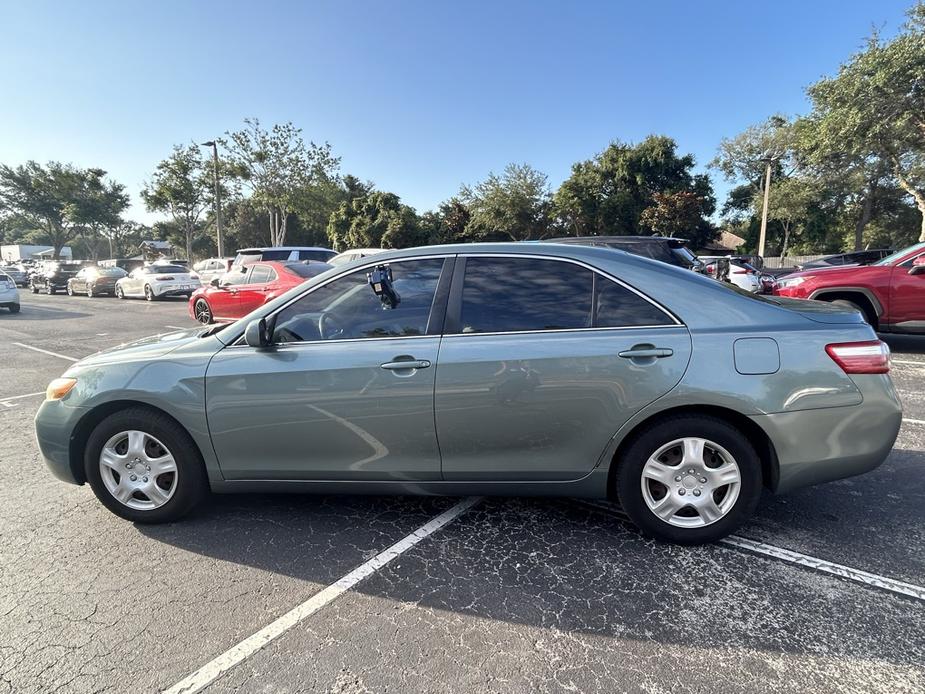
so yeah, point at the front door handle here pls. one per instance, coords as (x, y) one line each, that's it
(646, 353)
(405, 365)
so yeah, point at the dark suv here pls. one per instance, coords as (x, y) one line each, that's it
(666, 249)
(53, 276)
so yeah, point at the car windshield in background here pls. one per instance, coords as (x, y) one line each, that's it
(688, 259)
(890, 259)
(110, 272)
(307, 269)
(160, 269)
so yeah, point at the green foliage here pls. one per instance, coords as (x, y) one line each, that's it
(514, 206)
(608, 194)
(375, 220)
(447, 224)
(680, 214)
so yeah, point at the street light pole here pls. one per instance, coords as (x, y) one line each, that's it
(218, 196)
(764, 211)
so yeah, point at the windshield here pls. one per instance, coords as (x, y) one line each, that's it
(890, 259)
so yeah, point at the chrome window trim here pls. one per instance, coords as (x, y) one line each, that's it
(238, 341)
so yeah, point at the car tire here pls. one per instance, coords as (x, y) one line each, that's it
(90, 293)
(34, 287)
(70, 289)
(180, 490)
(149, 293)
(203, 312)
(697, 507)
(14, 308)
(49, 289)
(119, 293)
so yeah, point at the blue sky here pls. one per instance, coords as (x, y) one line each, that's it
(420, 97)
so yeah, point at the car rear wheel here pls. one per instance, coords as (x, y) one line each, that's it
(34, 287)
(149, 293)
(144, 467)
(689, 479)
(202, 311)
(70, 289)
(857, 307)
(14, 308)
(119, 293)
(90, 293)
(49, 289)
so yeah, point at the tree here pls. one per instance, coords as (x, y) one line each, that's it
(60, 199)
(513, 206)
(448, 223)
(608, 194)
(745, 156)
(678, 213)
(277, 166)
(181, 187)
(874, 109)
(376, 220)
(98, 209)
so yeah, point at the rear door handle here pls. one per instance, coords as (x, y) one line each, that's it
(646, 353)
(405, 365)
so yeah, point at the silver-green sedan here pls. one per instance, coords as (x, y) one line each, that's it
(513, 369)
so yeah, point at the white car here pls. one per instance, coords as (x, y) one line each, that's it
(9, 294)
(354, 254)
(741, 274)
(156, 281)
(211, 268)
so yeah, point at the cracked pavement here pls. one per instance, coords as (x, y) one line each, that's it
(516, 595)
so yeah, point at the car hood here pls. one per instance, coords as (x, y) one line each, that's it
(821, 311)
(831, 273)
(146, 348)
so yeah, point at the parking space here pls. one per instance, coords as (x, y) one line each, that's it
(510, 595)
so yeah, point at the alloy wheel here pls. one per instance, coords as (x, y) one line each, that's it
(203, 312)
(691, 482)
(138, 470)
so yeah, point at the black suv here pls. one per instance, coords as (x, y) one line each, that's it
(53, 276)
(664, 248)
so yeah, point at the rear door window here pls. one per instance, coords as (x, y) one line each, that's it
(260, 274)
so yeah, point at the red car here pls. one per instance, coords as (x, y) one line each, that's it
(245, 288)
(890, 293)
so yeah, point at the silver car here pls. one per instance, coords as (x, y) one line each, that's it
(9, 295)
(508, 369)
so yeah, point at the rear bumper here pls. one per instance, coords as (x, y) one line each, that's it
(822, 445)
(173, 291)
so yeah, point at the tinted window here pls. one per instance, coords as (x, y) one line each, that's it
(618, 307)
(161, 269)
(316, 255)
(307, 269)
(347, 308)
(260, 274)
(237, 275)
(509, 294)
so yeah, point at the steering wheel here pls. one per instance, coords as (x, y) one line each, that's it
(328, 327)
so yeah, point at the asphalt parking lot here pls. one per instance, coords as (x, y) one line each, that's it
(824, 591)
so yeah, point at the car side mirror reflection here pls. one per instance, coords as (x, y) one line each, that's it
(380, 281)
(257, 334)
(918, 266)
(216, 282)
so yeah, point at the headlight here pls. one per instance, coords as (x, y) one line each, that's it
(790, 282)
(60, 387)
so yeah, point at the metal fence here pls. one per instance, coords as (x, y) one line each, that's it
(790, 260)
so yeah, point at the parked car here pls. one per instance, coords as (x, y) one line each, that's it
(126, 264)
(245, 256)
(247, 287)
(9, 294)
(17, 273)
(158, 281)
(515, 368)
(740, 273)
(670, 250)
(95, 281)
(211, 268)
(852, 258)
(353, 254)
(52, 276)
(890, 294)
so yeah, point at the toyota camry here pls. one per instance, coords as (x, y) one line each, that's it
(509, 369)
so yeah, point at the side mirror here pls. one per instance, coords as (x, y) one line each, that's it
(380, 281)
(216, 282)
(918, 266)
(256, 334)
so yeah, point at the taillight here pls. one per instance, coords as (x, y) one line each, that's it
(739, 272)
(163, 278)
(871, 357)
(711, 268)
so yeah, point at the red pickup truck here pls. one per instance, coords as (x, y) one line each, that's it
(890, 293)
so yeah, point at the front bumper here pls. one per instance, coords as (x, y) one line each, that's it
(54, 426)
(822, 445)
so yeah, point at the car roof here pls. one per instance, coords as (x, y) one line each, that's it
(281, 248)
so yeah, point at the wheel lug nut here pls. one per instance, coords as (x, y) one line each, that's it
(703, 480)
(681, 492)
(691, 471)
(133, 478)
(148, 468)
(696, 492)
(144, 479)
(677, 478)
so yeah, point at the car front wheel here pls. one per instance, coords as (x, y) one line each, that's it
(149, 293)
(144, 467)
(119, 293)
(689, 479)
(202, 311)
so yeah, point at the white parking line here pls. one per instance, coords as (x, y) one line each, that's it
(209, 672)
(840, 570)
(19, 397)
(177, 327)
(912, 363)
(913, 421)
(45, 351)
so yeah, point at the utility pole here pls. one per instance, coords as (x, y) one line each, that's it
(764, 211)
(218, 196)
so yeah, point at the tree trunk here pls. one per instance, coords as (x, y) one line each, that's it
(284, 217)
(865, 214)
(783, 251)
(917, 195)
(189, 243)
